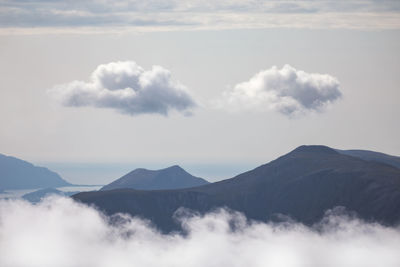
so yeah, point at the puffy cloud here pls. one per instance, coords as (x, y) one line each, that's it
(60, 232)
(127, 88)
(285, 90)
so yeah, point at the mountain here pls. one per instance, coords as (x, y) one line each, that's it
(173, 177)
(19, 174)
(373, 156)
(302, 184)
(37, 196)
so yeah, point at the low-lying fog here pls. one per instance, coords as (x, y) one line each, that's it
(61, 232)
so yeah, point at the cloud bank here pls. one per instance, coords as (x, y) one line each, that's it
(198, 14)
(287, 90)
(60, 232)
(128, 88)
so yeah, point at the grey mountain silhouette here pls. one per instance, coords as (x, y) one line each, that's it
(302, 184)
(20, 174)
(37, 196)
(173, 177)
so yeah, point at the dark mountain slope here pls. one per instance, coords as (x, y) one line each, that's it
(302, 184)
(19, 174)
(173, 177)
(373, 156)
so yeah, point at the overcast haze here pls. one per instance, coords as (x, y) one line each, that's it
(228, 87)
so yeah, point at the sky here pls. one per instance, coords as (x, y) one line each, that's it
(93, 90)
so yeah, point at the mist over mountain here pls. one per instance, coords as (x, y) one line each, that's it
(38, 195)
(60, 232)
(173, 177)
(302, 184)
(19, 174)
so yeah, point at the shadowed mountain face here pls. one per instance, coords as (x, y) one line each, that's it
(373, 156)
(19, 174)
(302, 184)
(169, 178)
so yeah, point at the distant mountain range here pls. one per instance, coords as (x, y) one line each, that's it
(19, 174)
(302, 184)
(173, 177)
(37, 196)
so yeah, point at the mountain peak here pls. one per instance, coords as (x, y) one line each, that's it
(172, 177)
(168, 169)
(173, 169)
(315, 149)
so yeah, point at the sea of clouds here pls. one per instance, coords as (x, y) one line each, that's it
(61, 232)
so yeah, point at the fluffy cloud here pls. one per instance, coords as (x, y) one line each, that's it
(287, 90)
(127, 88)
(60, 232)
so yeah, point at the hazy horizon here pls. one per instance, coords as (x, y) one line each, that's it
(103, 173)
(214, 67)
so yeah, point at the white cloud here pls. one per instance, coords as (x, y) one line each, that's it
(287, 90)
(127, 88)
(56, 16)
(60, 232)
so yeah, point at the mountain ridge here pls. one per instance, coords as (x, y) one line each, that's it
(372, 156)
(20, 174)
(302, 184)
